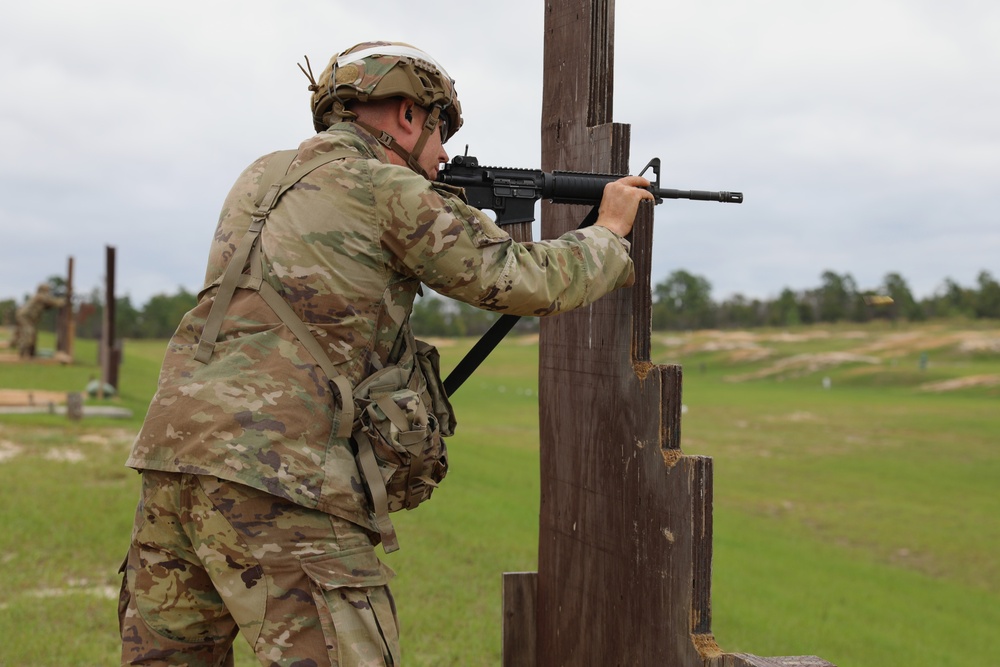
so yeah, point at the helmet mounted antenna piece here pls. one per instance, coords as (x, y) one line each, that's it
(383, 70)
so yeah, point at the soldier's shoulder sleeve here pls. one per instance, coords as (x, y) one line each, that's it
(428, 229)
(457, 250)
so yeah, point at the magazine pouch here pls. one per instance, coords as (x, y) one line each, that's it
(402, 415)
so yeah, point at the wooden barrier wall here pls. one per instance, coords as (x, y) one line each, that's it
(625, 527)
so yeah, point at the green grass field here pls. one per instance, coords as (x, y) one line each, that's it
(858, 522)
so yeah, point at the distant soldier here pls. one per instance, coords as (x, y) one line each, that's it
(27, 317)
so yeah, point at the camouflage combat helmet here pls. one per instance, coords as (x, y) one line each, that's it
(382, 70)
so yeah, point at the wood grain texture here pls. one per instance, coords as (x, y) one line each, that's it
(519, 645)
(618, 551)
(625, 529)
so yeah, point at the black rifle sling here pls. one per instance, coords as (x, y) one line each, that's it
(477, 355)
(485, 345)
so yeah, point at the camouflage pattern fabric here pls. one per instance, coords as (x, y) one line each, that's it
(209, 558)
(415, 76)
(28, 315)
(348, 248)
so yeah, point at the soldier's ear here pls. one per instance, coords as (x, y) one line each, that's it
(405, 116)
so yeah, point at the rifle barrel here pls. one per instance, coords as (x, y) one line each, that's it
(562, 187)
(700, 195)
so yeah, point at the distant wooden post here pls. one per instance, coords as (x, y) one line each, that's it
(67, 323)
(74, 405)
(625, 534)
(109, 351)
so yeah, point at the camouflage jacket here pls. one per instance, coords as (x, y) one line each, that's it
(37, 304)
(348, 248)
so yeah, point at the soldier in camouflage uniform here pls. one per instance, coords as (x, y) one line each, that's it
(28, 315)
(253, 515)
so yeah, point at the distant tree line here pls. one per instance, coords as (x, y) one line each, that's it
(684, 301)
(158, 318)
(435, 316)
(681, 302)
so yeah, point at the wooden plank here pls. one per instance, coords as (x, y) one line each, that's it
(745, 660)
(519, 643)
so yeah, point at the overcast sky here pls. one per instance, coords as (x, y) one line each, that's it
(864, 134)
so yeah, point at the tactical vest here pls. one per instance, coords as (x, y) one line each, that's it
(397, 417)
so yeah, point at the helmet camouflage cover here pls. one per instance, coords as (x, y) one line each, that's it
(380, 70)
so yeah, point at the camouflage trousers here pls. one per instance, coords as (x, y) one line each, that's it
(210, 559)
(25, 336)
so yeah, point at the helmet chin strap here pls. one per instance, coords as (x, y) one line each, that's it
(411, 158)
(430, 126)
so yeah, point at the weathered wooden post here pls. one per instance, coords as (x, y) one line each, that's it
(625, 534)
(66, 328)
(74, 405)
(109, 350)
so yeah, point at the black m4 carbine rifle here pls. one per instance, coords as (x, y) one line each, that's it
(511, 194)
